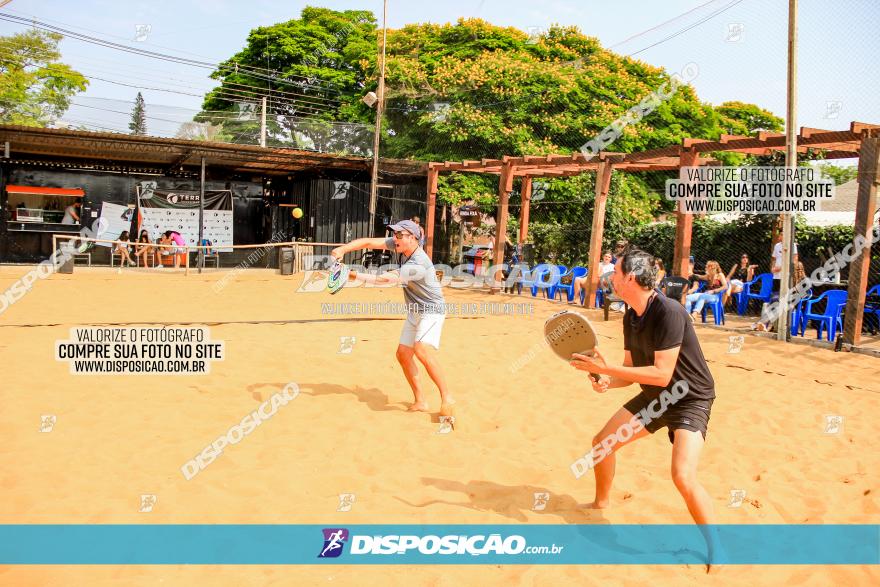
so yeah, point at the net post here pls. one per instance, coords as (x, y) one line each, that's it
(186, 264)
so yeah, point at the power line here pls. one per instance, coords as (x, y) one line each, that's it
(145, 53)
(313, 101)
(230, 94)
(662, 24)
(684, 30)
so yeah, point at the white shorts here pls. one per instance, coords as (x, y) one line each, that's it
(424, 328)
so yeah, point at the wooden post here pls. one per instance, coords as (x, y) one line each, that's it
(603, 184)
(869, 177)
(5, 216)
(429, 216)
(783, 332)
(524, 210)
(684, 223)
(505, 185)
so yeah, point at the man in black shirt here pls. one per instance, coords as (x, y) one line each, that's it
(664, 357)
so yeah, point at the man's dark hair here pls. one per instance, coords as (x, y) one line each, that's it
(640, 264)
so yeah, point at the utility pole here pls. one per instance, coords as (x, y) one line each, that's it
(380, 106)
(783, 331)
(201, 251)
(263, 124)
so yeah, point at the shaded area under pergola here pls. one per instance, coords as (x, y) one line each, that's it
(861, 141)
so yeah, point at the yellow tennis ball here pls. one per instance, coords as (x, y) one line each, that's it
(297, 212)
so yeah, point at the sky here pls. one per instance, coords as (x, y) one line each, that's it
(739, 46)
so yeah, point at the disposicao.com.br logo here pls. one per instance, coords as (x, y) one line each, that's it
(452, 544)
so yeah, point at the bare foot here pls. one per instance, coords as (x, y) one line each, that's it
(596, 505)
(447, 408)
(418, 407)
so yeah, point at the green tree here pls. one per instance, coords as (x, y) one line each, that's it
(839, 174)
(471, 90)
(455, 91)
(739, 118)
(476, 90)
(316, 74)
(138, 124)
(35, 88)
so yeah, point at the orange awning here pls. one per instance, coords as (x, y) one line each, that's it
(41, 191)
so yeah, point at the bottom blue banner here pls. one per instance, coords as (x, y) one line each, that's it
(439, 544)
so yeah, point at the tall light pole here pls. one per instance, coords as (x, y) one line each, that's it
(380, 106)
(783, 330)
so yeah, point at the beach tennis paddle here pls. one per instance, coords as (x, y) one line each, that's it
(570, 333)
(337, 277)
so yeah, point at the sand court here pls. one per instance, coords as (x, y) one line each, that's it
(523, 418)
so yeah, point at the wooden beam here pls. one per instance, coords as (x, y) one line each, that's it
(505, 185)
(807, 132)
(869, 178)
(526, 190)
(179, 161)
(684, 224)
(689, 142)
(550, 172)
(603, 184)
(764, 135)
(429, 215)
(859, 127)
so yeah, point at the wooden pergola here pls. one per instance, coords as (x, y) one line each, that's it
(861, 141)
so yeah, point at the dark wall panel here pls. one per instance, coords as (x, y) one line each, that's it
(121, 189)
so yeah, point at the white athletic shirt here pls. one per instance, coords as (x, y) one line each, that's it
(421, 290)
(777, 258)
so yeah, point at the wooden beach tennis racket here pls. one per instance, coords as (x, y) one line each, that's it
(568, 333)
(337, 277)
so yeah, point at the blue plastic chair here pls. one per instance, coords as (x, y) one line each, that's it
(544, 277)
(528, 278)
(600, 290)
(563, 272)
(874, 314)
(736, 299)
(765, 294)
(797, 315)
(522, 276)
(575, 273)
(717, 308)
(829, 319)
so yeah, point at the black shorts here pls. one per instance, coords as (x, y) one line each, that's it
(689, 414)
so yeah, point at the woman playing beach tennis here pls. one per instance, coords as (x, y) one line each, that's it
(664, 357)
(420, 338)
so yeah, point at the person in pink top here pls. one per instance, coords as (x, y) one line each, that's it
(178, 240)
